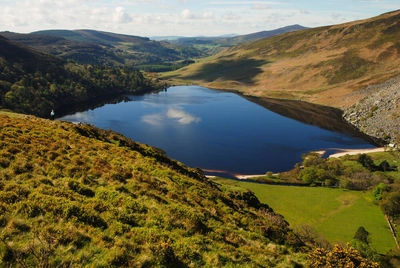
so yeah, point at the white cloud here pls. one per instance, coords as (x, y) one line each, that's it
(121, 16)
(208, 15)
(181, 17)
(231, 16)
(189, 15)
(260, 6)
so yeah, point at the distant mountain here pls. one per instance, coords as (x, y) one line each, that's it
(174, 37)
(103, 48)
(325, 65)
(111, 49)
(233, 39)
(264, 34)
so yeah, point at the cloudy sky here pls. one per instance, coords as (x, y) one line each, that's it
(183, 17)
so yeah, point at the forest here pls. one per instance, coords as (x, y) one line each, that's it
(35, 83)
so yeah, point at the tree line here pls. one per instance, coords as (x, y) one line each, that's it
(35, 83)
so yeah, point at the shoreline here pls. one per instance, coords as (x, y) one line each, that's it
(339, 153)
(343, 152)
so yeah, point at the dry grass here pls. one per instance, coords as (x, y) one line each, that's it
(322, 65)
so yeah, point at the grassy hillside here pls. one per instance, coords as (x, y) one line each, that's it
(74, 196)
(34, 82)
(104, 48)
(323, 65)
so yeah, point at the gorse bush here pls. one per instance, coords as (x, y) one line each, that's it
(74, 195)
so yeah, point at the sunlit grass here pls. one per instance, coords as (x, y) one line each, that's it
(90, 197)
(335, 213)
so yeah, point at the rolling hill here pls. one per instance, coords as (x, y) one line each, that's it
(344, 66)
(103, 48)
(324, 65)
(111, 49)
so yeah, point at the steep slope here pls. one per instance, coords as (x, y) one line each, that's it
(75, 196)
(322, 65)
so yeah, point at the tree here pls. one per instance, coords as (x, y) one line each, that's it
(361, 242)
(391, 204)
(308, 175)
(378, 191)
(384, 165)
(367, 162)
(362, 235)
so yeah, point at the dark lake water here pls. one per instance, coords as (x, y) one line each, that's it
(222, 132)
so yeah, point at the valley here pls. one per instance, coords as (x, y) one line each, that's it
(75, 195)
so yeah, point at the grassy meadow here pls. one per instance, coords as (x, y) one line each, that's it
(334, 213)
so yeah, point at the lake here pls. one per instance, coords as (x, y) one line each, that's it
(222, 132)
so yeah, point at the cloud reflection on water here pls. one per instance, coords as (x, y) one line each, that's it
(179, 115)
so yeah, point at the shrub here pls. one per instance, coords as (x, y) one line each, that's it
(80, 189)
(4, 162)
(338, 257)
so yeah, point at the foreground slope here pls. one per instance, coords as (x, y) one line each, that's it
(324, 65)
(75, 195)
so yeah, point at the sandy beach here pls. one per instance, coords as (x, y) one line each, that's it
(342, 152)
(339, 153)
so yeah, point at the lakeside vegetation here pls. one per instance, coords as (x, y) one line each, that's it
(335, 197)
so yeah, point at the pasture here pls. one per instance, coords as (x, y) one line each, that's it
(334, 213)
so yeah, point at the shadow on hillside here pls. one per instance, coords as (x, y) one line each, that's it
(312, 114)
(240, 70)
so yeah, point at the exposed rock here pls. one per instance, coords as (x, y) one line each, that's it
(378, 114)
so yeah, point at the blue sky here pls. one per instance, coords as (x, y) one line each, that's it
(183, 17)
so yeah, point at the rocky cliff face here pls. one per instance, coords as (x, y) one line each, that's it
(378, 114)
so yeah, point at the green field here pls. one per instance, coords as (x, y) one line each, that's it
(334, 213)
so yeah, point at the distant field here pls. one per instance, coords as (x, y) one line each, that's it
(334, 213)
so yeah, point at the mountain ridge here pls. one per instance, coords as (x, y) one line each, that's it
(329, 65)
(103, 48)
(113, 49)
